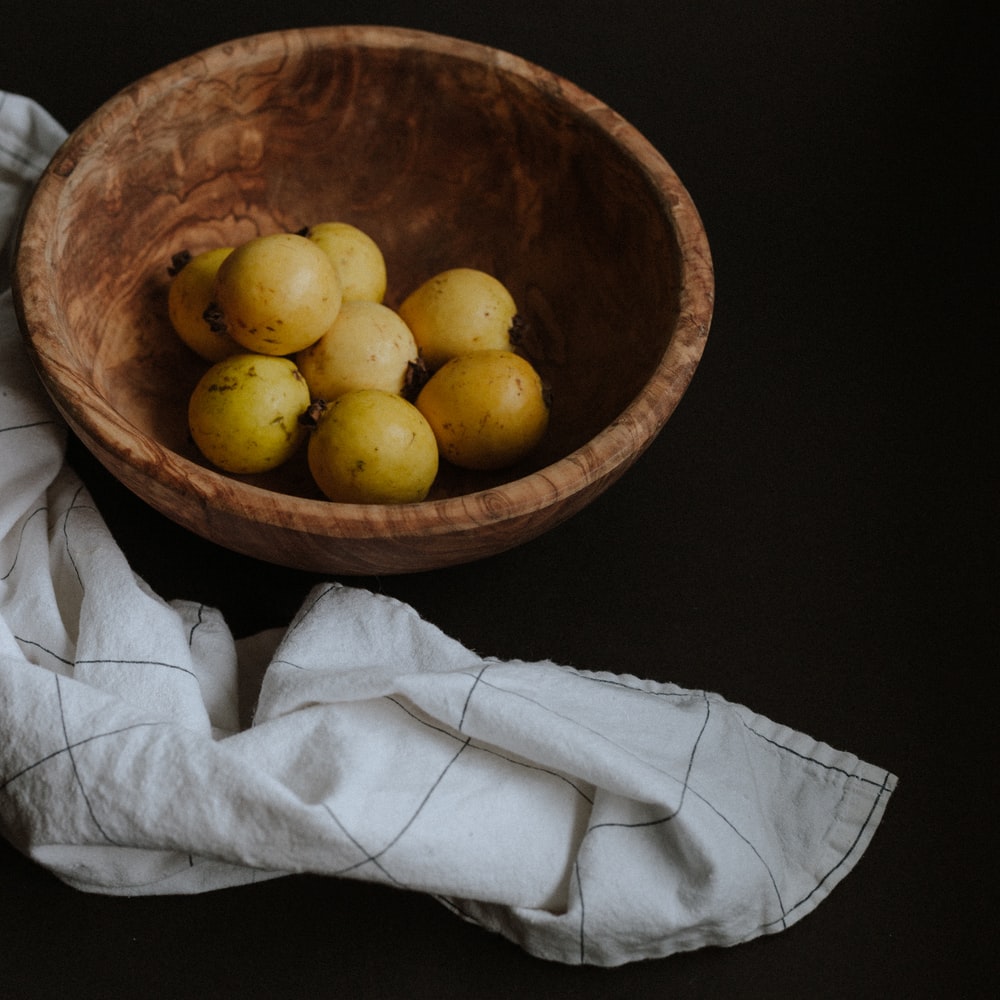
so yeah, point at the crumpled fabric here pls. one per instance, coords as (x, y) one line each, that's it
(589, 817)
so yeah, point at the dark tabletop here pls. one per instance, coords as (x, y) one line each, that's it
(812, 535)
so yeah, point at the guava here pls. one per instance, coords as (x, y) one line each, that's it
(244, 413)
(356, 257)
(372, 446)
(457, 311)
(276, 294)
(191, 292)
(368, 347)
(488, 409)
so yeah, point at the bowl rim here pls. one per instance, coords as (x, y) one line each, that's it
(606, 454)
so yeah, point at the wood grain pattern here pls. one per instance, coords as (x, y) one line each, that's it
(448, 154)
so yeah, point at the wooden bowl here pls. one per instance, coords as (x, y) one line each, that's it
(447, 153)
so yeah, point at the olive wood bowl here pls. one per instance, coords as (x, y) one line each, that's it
(448, 154)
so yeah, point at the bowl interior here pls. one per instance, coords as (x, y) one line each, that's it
(446, 154)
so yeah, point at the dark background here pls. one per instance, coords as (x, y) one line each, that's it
(813, 534)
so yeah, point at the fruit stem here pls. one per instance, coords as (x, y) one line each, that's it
(214, 318)
(178, 262)
(310, 418)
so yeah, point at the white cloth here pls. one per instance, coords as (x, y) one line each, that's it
(590, 817)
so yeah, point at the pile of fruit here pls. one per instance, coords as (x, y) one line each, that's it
(303, 352)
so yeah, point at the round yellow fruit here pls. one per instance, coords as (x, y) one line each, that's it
(488, 409)
(277, 294)
(244, 412)
(191, 293)
(368, 347)
(458, 311)
(356, 257)
(371, 446)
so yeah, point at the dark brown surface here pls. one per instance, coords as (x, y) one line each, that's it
(448, 154)
(813, 534)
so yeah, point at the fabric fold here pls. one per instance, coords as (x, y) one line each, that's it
(590, 817)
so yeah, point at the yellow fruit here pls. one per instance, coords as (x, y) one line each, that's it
(368, 347)
(277, 294)
(371, 446)
(458, 311)
(487, 409)
(356, 257)
(191, 293)
(244, 412)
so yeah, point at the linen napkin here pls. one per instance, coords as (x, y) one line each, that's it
(589, 817)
